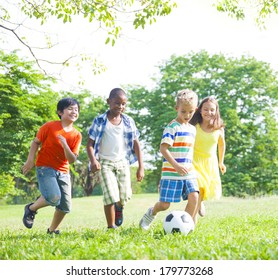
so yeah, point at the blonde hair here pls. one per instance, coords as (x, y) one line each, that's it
(187, 96)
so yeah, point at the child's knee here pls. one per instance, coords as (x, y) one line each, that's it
(55, 200)
(64, 206)
(193, 197)
(164, 205)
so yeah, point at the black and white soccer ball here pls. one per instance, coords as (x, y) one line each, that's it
(178, 221)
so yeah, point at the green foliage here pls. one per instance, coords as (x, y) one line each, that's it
(247, 93)
(106, 13)
(249, 233)
(27, 101)
(231, 7)
(26, 98)
(144, 186)
(239, 9)
(150, 10)
(7, 186)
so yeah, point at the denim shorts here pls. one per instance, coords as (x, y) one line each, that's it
(55, 187)
(173, 190)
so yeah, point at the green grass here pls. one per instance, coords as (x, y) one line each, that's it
(233, 229)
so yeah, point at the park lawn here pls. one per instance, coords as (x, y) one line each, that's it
(233, 229)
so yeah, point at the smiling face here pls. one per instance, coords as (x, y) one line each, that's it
(70, 113)
(208, 111)
(117, 104)
(185, 112)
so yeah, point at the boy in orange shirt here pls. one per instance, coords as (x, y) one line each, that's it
(59, 144)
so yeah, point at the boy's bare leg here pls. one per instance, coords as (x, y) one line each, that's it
(57, 219)
(160, 206)
(39, 203)
(109, 211)
(192, 205)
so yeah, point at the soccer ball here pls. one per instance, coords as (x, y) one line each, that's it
(178, 221)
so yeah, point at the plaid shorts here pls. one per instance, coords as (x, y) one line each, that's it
(114, 179)
(173, 190)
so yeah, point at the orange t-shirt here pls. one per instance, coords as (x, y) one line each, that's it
(51, 153)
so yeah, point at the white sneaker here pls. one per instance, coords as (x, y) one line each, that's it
(147, 219)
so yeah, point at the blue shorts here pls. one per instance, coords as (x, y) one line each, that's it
(55, 187)
(173, 190)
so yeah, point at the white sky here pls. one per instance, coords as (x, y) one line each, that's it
(193, 26)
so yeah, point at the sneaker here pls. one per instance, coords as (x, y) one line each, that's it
(56, 231)
(118, 215)
(147, 219)
(202, 210)
(29, 216)
(113, 227)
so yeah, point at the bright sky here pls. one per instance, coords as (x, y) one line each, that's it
(193, 26)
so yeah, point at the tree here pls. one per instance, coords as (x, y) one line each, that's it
(106, 15)
(262, 9)
(27, 101)
(7, 186)
(247, 93)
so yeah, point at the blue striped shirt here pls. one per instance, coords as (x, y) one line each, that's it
(181, 139)
(130, 134)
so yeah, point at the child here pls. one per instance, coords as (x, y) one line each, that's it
(209, 135)
(112, 146)
(60, 143)
(178, 177)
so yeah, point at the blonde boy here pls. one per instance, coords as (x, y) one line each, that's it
(178, 177)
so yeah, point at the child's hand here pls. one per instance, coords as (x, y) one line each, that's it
(62, 139)
(222, 168)
(28, 165)
(182, 170)
(140, 174)
(95, 166)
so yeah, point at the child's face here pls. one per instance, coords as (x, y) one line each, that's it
(185, 112)
(70, 113)
(117, 104)
(208, 111)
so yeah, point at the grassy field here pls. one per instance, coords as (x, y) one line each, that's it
(233, 229)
